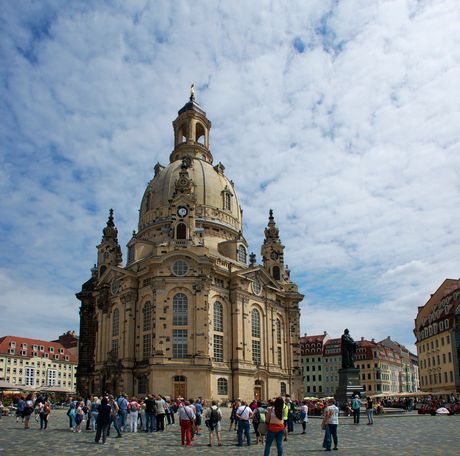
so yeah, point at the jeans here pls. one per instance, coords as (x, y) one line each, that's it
(43, 420)
(93, 419)
(330, 434)
(290, 422)
(243, 426)
(151, 422)
(123, 423)
(279, 436)
(356, 415)
(115, 424)
(369, 415)
(101, 429)
(72, 417)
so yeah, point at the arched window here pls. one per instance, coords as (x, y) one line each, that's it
(241, 254)
(199, 132)
(255, 323)
(276, 273)
(147, 316)
(180, 309)
(116, 323)
(218, 317)
(278, 331)
(102, 270)
(181, 231)
(222, 386)
(227, 205)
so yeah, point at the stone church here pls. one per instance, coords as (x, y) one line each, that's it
(188, 315)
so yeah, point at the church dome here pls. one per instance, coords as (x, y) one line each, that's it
(209, 195)
(215, 196)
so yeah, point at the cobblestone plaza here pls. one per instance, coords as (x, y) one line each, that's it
(405, 435)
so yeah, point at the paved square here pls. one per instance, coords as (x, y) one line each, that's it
(408, 435)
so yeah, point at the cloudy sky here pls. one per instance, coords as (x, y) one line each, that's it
(342, 116)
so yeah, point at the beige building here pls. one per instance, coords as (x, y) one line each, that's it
(187, 315)
(437, 348)
(33, 362)
(312, 363)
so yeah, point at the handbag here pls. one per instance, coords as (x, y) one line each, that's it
(323, 424)
(263, 428)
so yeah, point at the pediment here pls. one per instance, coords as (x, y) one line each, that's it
(262, 275)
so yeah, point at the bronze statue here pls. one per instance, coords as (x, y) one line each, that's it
(349, 347)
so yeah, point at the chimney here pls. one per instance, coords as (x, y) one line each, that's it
(373, 340)
(362, 339)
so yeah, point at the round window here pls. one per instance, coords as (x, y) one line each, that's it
(180, 268)
(256, 287)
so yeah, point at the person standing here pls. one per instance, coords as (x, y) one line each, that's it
(160, 413)
(233, 419)
(259, 417)
(114, 416)
(331, 416)
(20, 410)
(198, 412)
(103, 420)
(214, 416)
(94, 411)
(243, 415)
(133, 408)
(304, 416)
(150, 414)
(123, 406)
(275, 419)
(186, 416)
(369, 409)
(290, 417)
(28, 410)
(356, 407)
(45, 409)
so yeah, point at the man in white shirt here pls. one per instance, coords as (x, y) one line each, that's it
(243, 415)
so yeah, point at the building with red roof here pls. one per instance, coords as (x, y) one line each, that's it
(34, 362)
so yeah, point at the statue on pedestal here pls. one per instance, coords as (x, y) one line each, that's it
(349, 347)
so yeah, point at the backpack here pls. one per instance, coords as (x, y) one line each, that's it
(214, 418)
(261, 415)
(355, 404)
(134, 406)
(47, 408)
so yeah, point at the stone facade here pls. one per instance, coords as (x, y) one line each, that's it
(187, 315)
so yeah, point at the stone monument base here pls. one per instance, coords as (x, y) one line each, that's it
(349, 384)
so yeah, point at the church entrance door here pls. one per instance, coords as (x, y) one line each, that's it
(257, 392)
(179, 386)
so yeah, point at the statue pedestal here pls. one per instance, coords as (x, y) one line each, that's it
(349, 384)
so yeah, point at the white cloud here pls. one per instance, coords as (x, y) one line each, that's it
(341, 116)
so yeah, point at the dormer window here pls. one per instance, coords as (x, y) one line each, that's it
(242, 254)
(52, 349)
(131, 254)
(227, 205)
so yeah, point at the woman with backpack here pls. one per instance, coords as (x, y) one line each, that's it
(259, 417)
(133, 408)
(213, 418)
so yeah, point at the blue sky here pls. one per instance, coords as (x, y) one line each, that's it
(341, 116)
